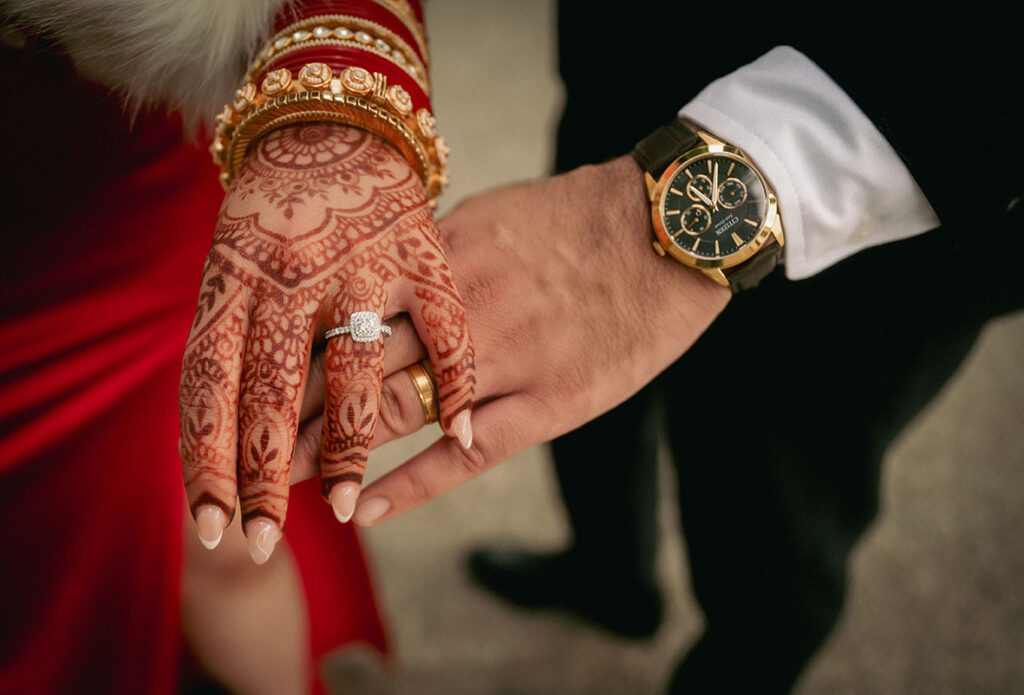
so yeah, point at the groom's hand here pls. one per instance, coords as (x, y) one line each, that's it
(571, 312)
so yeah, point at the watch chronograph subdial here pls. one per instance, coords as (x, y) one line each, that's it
(696, 220)
(699, 189)
(732, 193)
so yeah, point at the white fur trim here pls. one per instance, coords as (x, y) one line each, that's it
(186, 54)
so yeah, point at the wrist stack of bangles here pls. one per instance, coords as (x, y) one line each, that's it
(366, 71)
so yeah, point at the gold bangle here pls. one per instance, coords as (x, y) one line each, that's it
(357, 97)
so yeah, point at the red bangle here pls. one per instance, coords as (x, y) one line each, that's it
(403, 9)
(371, 10)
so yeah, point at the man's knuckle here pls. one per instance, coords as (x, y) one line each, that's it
(482, 291)
(472, 461)
(418, 488)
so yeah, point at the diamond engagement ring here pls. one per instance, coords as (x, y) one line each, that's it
(363, 326)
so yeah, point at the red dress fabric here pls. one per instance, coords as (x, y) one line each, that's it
(104, 228)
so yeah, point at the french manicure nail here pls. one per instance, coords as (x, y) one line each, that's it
(262, 535)
(371, 510)
(343, 499)
(463, 430)
(210, 524)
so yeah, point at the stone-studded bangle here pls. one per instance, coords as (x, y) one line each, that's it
(397, 15)
(356, 97)
(343, 31)
(407, 16)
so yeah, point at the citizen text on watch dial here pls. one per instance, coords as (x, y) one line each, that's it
(714, 205)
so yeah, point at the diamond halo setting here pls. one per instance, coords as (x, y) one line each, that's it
(363, 326)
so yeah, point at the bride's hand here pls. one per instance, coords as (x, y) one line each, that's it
(323, 221)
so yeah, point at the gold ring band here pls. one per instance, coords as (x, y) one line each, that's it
(426, 388)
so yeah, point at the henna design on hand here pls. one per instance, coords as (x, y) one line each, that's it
(323, 220)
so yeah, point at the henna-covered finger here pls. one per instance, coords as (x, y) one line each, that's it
(440, 317)
(354, 371)
(401, 413)
(208, 399)
(273, 373)
(404, 348)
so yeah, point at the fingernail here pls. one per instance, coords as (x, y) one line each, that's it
(210, 524)
(463, 430)
(371, 510)
(343, 499)
(262, 535)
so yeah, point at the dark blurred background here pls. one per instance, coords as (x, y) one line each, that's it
(937, 586)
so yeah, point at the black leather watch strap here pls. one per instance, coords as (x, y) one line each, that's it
(749, 275)
(659, 149)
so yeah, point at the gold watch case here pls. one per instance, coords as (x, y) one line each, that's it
(770, 226)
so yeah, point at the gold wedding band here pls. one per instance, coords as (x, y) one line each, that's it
(426, 388)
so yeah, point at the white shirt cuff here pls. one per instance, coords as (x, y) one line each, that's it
(841, 187)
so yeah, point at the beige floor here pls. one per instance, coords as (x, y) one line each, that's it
(937, 604)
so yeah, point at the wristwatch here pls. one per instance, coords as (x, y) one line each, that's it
(712, 208)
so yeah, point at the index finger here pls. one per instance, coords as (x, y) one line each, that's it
(502, 428)
(208, 398)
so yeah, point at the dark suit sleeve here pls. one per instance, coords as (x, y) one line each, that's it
(942, 86)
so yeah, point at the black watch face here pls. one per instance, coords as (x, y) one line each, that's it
(714, 206)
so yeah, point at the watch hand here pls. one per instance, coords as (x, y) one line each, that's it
(703, 198)
(714, 189)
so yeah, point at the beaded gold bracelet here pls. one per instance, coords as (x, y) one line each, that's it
(356, 97)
